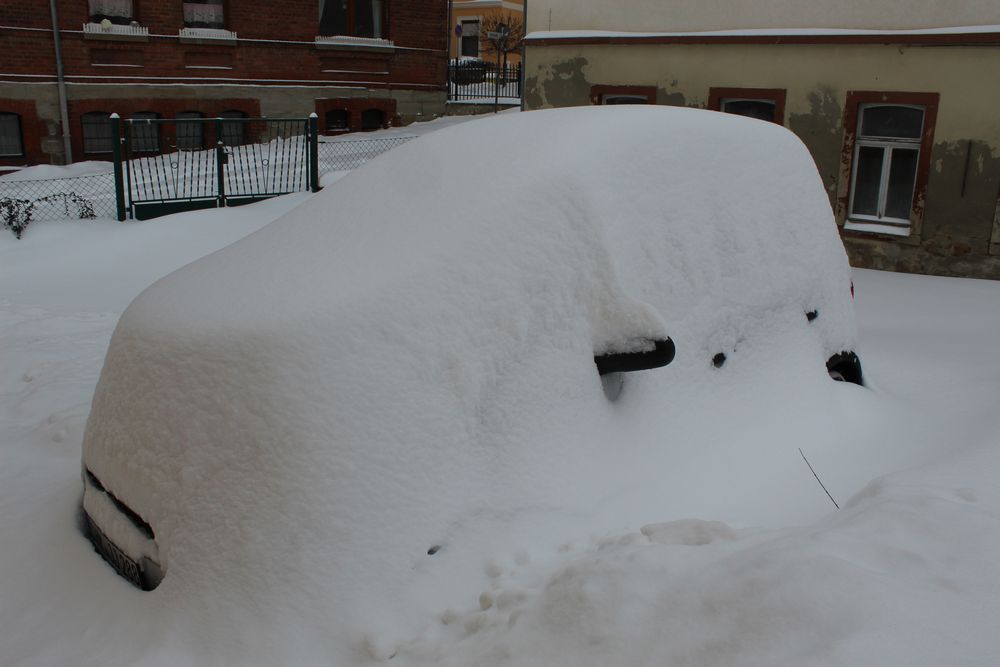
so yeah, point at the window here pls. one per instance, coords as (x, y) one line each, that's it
(204, 14)
(884, 170)
(602, 94)
(624, 99)
(358, 18)
(11, 144)
(189, 131)
(470, 38)
(889, 137)
(97, 134)
(119, 12)
(338, 120)
(371, 119)
(760, 103)
(759, 109)
(145, 135)
(233, 131)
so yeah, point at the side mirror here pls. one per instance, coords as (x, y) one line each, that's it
(626, 362)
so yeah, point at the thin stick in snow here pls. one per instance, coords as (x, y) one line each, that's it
(818, 479)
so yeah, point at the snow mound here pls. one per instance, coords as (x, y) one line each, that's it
(338, 421)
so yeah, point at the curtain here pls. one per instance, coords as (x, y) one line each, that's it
(112, 8)
(200, 14)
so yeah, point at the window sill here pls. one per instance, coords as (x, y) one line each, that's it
(207, 36)
(346, 43)
(876, 228)
(116, 33)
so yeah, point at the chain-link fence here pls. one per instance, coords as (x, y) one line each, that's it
(93, 196)
(347, 154)
(23, 202)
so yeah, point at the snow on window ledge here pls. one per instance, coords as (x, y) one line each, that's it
(207, 35)
(876, 228)
(360, 43)
(134, 32)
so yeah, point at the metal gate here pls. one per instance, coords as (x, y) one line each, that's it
(165, 166)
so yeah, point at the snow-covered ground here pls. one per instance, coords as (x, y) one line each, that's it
(906, 572)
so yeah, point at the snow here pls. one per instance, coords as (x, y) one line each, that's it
(904, 573)
(48, 171)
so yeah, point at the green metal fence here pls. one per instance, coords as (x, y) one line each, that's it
(166, 166)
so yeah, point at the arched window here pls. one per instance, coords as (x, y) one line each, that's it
(190, 136)
(371, 119)
(97, 134)
(338, 120)
(233, 131)
(11, 143)
(145, 134)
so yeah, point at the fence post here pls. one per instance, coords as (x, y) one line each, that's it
(220, 163)
(314, 152)
(116, 152)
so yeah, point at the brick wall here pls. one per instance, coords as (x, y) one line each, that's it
(33, 129)
(276, 47)
(418, 25)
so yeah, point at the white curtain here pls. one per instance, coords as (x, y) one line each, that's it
(377, 18)
(122, 8)
(198, 12)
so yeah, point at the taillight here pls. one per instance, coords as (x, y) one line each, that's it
(852, 288)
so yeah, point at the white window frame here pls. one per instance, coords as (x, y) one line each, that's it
(888, 145)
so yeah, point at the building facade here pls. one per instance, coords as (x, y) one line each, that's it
(359, 64)
(895, 101)
(470, 18)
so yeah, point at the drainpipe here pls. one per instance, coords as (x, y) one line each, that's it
(524, 52)
(63, 110)
(451, 27)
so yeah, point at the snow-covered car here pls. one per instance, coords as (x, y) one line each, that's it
(344, 416)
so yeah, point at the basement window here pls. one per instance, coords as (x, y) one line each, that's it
(98, 136)
(11, 144)
(761, 103)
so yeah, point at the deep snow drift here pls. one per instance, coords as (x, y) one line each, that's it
(906, 573)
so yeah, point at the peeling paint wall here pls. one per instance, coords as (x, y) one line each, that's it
(961, 222)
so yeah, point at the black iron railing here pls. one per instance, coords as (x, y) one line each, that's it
(481, 81)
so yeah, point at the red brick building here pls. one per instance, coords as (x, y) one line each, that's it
(359, 64)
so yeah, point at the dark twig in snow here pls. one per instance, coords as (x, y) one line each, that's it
(818, 479)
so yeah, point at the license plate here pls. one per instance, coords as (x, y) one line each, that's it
(114, 556)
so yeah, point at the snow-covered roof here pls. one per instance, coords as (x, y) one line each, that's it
(989, 31)
(710, 15)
